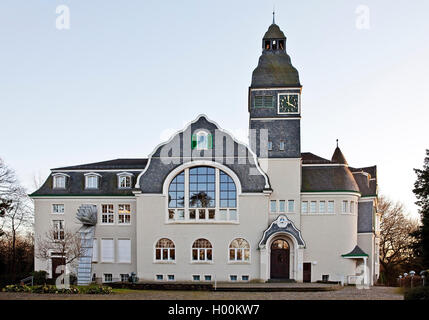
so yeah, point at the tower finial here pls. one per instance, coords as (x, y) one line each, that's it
(337, 143)
(274, 15)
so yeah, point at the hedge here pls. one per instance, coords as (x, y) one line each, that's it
(54, 289)
(419, 293)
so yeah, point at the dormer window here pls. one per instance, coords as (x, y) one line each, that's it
(124, 180)
(59, 181)
(202, 140)
(92, 180)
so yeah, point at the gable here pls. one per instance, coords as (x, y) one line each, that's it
(224, 150)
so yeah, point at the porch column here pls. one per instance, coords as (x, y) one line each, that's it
(264, 269)
(300, 263)
(365, 275)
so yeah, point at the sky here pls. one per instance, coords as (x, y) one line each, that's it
(128, 74)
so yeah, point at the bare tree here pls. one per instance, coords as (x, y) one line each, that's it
(16, 210)
(8, 181)
(396, 238)
(61, 242)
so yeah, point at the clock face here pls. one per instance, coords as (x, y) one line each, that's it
(289, 103)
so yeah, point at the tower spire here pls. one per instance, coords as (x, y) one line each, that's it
(274, 15)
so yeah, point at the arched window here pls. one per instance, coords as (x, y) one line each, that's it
(92, 180)
(165, 250)
(280, 244)
(210, 195)
(202, 140)
(202, 250)
(59, 180)
(239, 250)
(124, 180)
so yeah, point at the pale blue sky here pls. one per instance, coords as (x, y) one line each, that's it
(129, 72)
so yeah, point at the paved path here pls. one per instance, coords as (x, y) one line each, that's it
(348, 293)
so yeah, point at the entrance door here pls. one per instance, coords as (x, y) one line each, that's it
(307, 272)
(280, 255)
(55, 263)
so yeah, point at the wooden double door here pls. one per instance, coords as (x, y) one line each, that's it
(56, 262)
(280, 260)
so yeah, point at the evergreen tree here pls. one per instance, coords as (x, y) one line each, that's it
(421, 190)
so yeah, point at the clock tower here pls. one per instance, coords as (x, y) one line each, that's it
(275, 101)
(275, 116)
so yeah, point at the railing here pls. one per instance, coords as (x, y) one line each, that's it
(199, 215)
(27, 280)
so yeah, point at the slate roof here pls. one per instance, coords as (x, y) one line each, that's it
(75, 185)
(338, 157)
(356, 252)
(328, 178)
(275, 68)
(314, 179)
(119, 164)
(366, 179)
(311, 158)
(274, 32)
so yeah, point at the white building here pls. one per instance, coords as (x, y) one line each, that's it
(203, 207)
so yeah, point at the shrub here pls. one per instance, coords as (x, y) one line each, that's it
(16, 288)
(96, 290)
(419, 293)
(39, 277)
(53, 289)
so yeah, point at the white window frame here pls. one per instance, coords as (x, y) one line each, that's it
(55, 207)
(322, 206)
(124, 212)
(95, 250)
(171, 275)
(304, 207)
(199, 250)
(344, 206)
(241, 250)
(183, 215)
(159, 277)
(124, 274)
(124, 257)
(59, 177)
(331, 202)
(195, 276)
(89, 176)
(282, 146)
(311, 207)
(168, 257)
(103, 258)
(204, 144)
(105, 275)
(282, 206)
(270, 146)
(233, 275)
(58, 227)
(273, 206)
(108, 214)
(128, 178)
(289, 210)
(245, 275)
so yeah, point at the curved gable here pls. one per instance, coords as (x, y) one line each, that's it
(224, 150)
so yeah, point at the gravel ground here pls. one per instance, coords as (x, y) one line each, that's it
(348, 293)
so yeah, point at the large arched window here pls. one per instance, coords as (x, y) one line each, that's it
(239, 250)
(209, 195)
(165, 250)
(202, 250)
